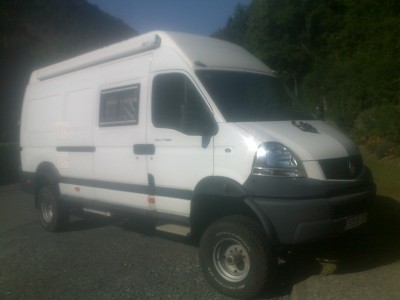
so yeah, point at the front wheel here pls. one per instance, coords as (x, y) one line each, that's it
(236, 256)
(53, 215)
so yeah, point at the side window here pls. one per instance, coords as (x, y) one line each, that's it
(176, 104)
(120, 106)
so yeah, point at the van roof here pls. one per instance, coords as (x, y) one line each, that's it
(198, 52)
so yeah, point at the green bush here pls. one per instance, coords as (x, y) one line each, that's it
(379, 130)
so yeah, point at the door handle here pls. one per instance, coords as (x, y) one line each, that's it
(144, 149)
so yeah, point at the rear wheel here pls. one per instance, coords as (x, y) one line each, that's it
(53, 215)
(236, 256)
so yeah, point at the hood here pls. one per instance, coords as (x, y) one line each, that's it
(315, 142)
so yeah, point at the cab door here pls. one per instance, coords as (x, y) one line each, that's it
(181, 128)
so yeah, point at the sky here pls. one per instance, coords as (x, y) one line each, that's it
(202, 17)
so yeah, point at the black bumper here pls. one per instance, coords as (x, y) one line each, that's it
(296, 210)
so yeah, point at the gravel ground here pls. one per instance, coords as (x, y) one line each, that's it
(115, 259)
(94, 259)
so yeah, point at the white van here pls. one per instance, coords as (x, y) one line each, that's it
(201, 136)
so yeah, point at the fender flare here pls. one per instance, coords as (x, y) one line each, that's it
(49, 171)
(265, 221)
(45, 172)
(219, 186)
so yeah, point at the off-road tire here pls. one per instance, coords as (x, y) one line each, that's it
(236, 257)
(53, 215)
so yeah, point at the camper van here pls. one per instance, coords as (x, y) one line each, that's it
(199, 136)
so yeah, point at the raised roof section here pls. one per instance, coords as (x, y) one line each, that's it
(122, 49)
(213, 53)
(197, 51)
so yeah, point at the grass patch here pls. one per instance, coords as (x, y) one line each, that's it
(386, 174)
(378, 129)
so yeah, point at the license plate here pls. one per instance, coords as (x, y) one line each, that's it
(355, 221)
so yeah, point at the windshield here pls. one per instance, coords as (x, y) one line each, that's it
(251, 97)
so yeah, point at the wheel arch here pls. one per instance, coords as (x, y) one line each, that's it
(46, 173)
(215, 197)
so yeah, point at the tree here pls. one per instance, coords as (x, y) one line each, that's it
(344, 51)
(236, 27)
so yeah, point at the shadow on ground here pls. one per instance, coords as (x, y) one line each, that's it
(139, 224)
(9, 162)
(89, 223)
(375, 244)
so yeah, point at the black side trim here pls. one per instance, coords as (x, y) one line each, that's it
(124, 210)
(174, 193)
(76, 149)
(144, 149)
(118, 209)
(116, 186)
(133, 188)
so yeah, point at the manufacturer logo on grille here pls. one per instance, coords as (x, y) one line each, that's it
(305, 127)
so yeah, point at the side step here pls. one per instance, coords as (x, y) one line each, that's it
(97, 212)
(174, 229)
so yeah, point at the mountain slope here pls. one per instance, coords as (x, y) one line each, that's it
(36, 33)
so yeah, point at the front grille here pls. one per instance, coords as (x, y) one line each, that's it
(342, 168)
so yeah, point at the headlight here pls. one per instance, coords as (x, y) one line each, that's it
(275, 159)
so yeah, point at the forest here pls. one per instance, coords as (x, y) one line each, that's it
(339, 55)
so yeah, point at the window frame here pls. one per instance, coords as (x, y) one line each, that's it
(102, 105)
(200, 97)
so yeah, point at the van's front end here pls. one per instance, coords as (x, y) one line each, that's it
(301, 178)
(306, 180)
(309, 198)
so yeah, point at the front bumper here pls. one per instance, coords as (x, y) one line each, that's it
(297, 210)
